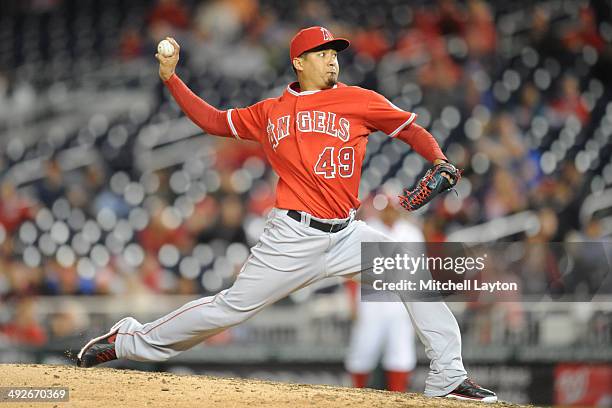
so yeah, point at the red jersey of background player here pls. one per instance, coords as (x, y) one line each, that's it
(314, 140)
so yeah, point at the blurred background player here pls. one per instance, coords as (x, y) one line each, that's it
(383, 328)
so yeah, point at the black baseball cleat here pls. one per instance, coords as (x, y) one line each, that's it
(98, 350)
(469, 390)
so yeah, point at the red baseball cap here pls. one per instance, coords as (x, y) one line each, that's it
(313, 37)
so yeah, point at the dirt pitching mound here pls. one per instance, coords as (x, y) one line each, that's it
(105, 387)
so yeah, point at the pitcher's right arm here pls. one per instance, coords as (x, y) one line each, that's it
(205, 116)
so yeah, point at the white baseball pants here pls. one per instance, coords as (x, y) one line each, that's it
(289, 256)
(381, 328)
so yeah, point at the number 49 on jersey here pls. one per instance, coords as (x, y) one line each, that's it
(334, 162)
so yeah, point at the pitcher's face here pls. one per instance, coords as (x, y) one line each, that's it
(319, 68)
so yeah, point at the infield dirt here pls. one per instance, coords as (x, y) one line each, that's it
(106, 387)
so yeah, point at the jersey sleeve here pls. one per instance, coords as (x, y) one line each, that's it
(382, 115)
(207, 117)
(248, 123)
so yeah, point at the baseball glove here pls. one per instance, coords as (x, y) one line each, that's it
(440, 178)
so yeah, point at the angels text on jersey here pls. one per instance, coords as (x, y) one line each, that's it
(308, 122)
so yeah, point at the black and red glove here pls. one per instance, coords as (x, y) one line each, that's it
(440, 178)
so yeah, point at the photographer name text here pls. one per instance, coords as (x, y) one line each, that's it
(446, 286)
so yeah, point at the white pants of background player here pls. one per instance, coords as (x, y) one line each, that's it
(383, 327)
(289, 256)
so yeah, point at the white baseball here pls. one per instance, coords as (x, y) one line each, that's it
(165, 48)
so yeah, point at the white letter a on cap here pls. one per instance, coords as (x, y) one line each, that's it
(326, 34)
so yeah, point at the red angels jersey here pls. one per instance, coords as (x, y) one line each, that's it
(316, 141)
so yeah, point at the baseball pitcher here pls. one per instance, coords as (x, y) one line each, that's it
(314, 136)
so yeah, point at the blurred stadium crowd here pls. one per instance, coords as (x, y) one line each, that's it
(517, 93)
